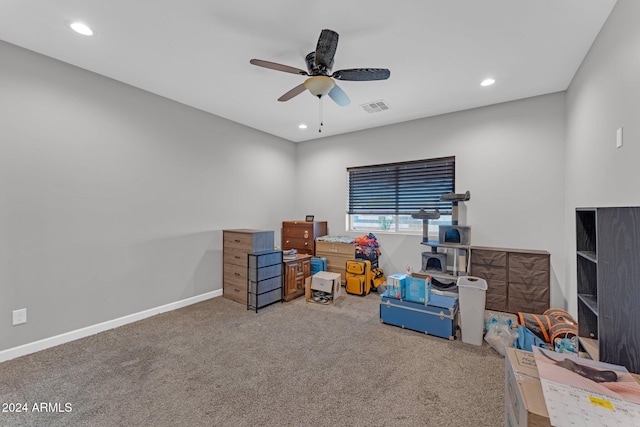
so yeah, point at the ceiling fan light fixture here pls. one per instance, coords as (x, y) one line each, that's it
(81, 28)
(319, 85)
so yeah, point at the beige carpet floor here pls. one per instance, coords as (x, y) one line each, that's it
(291, 364)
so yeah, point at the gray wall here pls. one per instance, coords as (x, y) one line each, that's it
(113, 199)
(509, 156)
(604, 95)
(528, 164)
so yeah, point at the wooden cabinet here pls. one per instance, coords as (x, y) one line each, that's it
(295, 272)
(517, 279)
(236, 245)
(337, 255)
(264, 276)
(608, 274)
(301, 235)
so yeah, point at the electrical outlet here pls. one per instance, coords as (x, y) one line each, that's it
(19, 316)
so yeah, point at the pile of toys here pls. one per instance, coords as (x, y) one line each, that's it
(368, 245)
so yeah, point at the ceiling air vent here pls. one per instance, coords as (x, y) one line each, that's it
(375, 107)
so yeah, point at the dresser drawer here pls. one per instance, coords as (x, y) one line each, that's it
(261, 300)
(235, 292)
(522, 291)
(497, 287)
(265, 285)
(235, 257)
(248, 241)
(496, 302)
(335, 248)
(338, 261)
(488, 257)
(295, 243)
(529, 277)
(528, 262)
(263, 260)
(240, 241)
(257, 274)
(235, 273)
(489, 273)
(527, 305)
(298, 230)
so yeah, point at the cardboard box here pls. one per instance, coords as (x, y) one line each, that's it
(416, 290)
(323, 281)
(524, 403)
(395, 284)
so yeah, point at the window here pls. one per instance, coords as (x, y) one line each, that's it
(383, 197)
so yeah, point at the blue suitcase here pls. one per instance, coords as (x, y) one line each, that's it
(318, 264)
(439, 317)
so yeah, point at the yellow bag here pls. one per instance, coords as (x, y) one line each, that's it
(377, 277)
(358, 277)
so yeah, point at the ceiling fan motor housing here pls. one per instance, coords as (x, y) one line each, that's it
(316, 69)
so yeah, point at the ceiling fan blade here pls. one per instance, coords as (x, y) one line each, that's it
(362, 74)
(278, 67)
(338, 95)
(293, 92)
(326, 49)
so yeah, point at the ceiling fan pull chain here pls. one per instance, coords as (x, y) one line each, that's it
(320, 114)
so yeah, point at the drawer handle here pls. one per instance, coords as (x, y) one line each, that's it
(237, 274)
(306, 243)
(237, 240)
(237, 257)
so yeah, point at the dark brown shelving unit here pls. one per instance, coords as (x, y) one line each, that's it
(608, 283)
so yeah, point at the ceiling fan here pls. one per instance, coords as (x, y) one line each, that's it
(321, 79)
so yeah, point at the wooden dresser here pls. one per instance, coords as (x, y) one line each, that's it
(337, 255)
(236, 245)
(517, 279)
(295, 271)
(301, 235)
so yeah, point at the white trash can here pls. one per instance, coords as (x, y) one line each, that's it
(471, 297)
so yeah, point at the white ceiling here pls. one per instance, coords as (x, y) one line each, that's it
(197, 52)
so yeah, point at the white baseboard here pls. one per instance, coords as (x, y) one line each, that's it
(43, 344)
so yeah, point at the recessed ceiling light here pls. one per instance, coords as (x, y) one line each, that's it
(487, 82)
(81, 28)
(302, 126)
